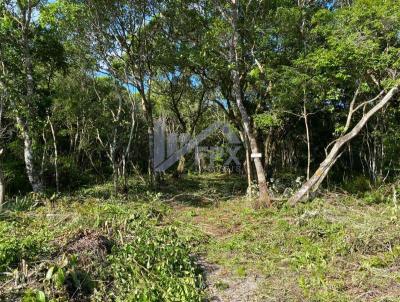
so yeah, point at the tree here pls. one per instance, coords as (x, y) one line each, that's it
(25, 40)
(334, 153)
(2, 134)
(184, 99)
(121, 33)
(360, 53)
(114, 130)
(232, 40)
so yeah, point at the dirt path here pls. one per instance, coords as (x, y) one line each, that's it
(219, 224)
(222, 286)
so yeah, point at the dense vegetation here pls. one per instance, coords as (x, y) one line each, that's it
(102, 249)
(298, 182)
(169, 247)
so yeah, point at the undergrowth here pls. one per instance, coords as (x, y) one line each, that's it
(90, 249)
(92, 246)
(337, 248)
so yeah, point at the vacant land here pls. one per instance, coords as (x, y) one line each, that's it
(199, 150)
(203, 242)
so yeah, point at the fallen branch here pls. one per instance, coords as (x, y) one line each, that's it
(314, 182)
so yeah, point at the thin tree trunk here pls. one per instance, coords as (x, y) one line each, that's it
(125, 156)
(53, 133)
(198, 159)
(268, 149)
(2, 184)
(150, 134)
(115, 177)
(314, 182)
(44, 151)
(31, 171)
(113, 157)
(181, 166)
(305, 116)
(148, 110)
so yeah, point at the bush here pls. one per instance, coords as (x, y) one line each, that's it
(375, 197)
(154, 266)
(359, 184)
(108, 251)
(18, 243)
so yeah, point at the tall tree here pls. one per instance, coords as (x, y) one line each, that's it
(17, 20)
(122, 34)
(25, 40)
(2, 134)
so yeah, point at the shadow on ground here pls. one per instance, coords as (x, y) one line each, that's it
(202, 189)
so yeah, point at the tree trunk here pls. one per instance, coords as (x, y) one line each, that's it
(314, 182)
(44, 151)
(150, 134)
(2, 189)
(33, 176)
(2, 185)
(246, 145)
(113, 159)
(125, 156)
(268, 149)
(264, 199)
(31, 171)
(53, 133)
(148, 110)
(305, 116)
(115, 177)
(181, 166)
(198, 159)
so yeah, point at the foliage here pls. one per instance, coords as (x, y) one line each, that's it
(333, 248)
(119, 250)
(82, 86)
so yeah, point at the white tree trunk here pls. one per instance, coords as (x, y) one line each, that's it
(314, 182)
(53, 133)
(305, 115)
(31, 171)
(264, 199)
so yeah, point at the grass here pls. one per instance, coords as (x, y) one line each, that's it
(340, 248)
(94, 250)
(91, 246)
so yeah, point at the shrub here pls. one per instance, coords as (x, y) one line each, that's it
(357, 184)
(110, 251)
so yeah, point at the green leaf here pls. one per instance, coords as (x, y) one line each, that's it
(59, 278)
(40, 296)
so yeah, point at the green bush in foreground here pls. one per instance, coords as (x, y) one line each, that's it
(102, 251)
(153, 268)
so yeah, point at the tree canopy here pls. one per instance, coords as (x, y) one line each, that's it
(84, 82)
